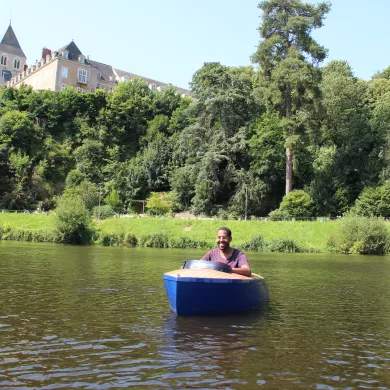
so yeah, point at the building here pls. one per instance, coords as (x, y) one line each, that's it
(67, 67)
(12, 58)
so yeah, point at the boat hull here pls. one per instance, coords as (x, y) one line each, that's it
(213, 292)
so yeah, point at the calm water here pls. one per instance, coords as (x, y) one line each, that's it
(98, 318)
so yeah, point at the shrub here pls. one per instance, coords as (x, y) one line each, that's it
(130, 240)
(87, 191)
(363, 235)
(112, 199)
(157, 240)
(374, 202)
(110, 239)
(295, 204)
(257, 243)
(106, 211)
(187, 242)
(159, 203)
(72, 220)
(284, 245)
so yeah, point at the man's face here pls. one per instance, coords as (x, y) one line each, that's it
(223, 240)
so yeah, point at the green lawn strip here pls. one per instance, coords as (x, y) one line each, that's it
(313, 235)
(28, 227)
(308, 235)
(27, 221)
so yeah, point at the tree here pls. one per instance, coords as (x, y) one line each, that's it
(348, 157)
(18, 131)
(288, 75)
(213, 144)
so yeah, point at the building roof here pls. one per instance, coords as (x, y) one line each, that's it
(73, 51)
(10, 43)
(105, 70)
(122, 73)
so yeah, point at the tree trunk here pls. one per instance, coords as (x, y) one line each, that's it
(288, 170)
(289, 152)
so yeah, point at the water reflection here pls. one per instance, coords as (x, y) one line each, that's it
(210, 343)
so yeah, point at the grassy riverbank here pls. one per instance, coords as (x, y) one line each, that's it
(166, 232)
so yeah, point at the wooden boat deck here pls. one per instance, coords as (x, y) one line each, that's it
(209, 273)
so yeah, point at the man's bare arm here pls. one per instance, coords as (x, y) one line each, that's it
(244, 270)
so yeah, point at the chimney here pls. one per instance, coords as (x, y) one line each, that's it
(45, 52)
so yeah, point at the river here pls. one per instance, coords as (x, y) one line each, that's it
(98, 318)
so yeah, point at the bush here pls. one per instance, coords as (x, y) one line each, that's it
(187, 242)
(72, 220)
(374, 202)
(106, 211)
(87, 191)
(159, 203)
(112, 199)
(130, 240)
(284, 245)
(295, 204)
(363, 235)
(257, 243)
(157, 240)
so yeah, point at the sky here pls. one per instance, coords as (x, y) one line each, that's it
(170, 40)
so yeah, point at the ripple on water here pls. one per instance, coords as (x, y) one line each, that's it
(97, 318)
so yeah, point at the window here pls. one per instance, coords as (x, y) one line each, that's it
(125, 79)
(153, 87)
(64, 72)
(99, 75)
(82, 78)
(3, 60)
(79, 89)
(64, 86)
(97, 86)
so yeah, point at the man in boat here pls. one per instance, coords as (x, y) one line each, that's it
(227, 254)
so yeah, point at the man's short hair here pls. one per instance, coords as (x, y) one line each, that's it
(225, 229)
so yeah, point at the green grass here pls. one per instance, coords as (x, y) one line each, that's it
(28, 227)
(167, 232)
(27, 221)
(309, 235)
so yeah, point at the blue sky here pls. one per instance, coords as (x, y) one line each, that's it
(169, 40)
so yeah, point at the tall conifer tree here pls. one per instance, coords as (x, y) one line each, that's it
(288, 59)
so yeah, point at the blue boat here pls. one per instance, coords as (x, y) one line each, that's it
(198, 289)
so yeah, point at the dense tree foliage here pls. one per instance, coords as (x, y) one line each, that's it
(244, 138)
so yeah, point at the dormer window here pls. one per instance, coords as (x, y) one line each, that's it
(125, 79)
(65, 54)
(3, 60)
(99, 75)
(82, 59)
(16, 64)
(153, 87)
